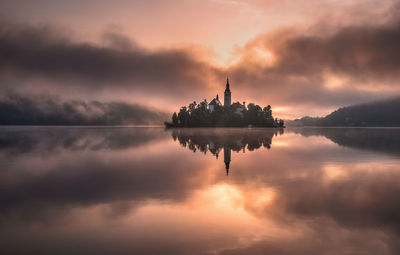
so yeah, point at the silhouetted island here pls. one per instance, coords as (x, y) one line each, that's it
(214, 114)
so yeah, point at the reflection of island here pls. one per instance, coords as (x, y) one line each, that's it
(227, 158)
(215, 140)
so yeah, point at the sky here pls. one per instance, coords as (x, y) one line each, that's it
(300, 57)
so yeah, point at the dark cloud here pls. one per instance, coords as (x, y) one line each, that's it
(43, 52)
(118, 41)
(361, 52)
(44, 110)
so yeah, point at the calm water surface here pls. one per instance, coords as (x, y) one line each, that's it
(101, 190)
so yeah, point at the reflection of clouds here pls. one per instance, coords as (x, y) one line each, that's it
(354, 196)
(355, 199)
(326, 239)
(308, 197)
(385, 140)
(33, 186)
(18, 140)
(334, 173)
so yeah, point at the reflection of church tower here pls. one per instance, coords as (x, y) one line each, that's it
(227, 158)
(227, 98)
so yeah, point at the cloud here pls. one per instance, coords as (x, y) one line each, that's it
(44, 110)
(326, 66)
(117, 64)
(308, 71)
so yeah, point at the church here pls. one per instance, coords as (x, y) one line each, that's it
(227, 101)
(228, 114)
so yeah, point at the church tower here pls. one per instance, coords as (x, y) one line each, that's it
(227, 98)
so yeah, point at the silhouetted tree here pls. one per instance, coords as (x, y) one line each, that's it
(175, 119)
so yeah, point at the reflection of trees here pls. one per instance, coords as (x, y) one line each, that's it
(211, 140)
(386, 140)
(214, 140)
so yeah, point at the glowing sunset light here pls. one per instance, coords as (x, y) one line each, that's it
(276, 53)
(200, 127)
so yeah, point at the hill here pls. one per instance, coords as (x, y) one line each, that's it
(377, 114)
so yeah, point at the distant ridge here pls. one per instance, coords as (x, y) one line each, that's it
(384, 113)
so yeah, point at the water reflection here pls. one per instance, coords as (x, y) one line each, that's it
(385, 140)
(215, 140)
(19, 140)
(144, 191)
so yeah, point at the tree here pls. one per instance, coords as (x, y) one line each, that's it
(175, 119)
(183, 116)
(268, 112)
(192, 107)
(198, 115)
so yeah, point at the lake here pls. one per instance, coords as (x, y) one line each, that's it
(146, 190)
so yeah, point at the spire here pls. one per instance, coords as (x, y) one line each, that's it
(227, 84)
(227, 168)
(227, 158)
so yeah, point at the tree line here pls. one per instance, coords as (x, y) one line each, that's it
(235, 115)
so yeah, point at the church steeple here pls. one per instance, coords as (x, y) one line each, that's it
(227, 84)
(227, 94)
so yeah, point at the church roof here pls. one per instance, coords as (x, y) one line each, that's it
(215, 101)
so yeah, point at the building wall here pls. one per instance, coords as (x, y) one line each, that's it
(211, 107)
(227, 99)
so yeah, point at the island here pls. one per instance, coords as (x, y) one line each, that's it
(214, 114)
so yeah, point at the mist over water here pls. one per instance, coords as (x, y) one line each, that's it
(124, 190)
